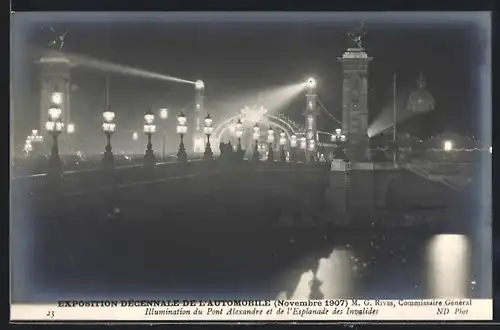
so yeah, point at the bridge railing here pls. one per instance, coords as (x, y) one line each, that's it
(90, 180)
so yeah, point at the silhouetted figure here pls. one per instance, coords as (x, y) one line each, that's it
(270, 154)
(315, 291)
(222, 148)
(256, 154)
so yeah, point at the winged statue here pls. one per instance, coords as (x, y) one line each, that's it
(57, 40)
(357, 35)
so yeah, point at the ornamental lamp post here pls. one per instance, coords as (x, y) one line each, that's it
(256, 137)
(34, 140)
(270, 140)
(282, 146)
(303, 146)
(55, 127)
(28, 147)
(339, 139)
(181, 130)
(149, 129)
(208, 155)
(108, 127)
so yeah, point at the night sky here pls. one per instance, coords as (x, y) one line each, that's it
(233, 53)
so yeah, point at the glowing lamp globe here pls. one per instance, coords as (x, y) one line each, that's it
(108, 127)
(448, 145)
(199, 84)
(149, 117)
(135, 136)
(49, 126)
(342, 138)
(256, 135)
(181, 119)
(28, 147)
(208, 130)
(311, 82)
(208, 121)
(108, 116)
(256, 128)
(55, 112)
(163, 113)
(149, 128)
(71, 128)
(58, 126)
(338, 131)
(56, 98)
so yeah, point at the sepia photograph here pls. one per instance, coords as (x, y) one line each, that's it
(250, 155)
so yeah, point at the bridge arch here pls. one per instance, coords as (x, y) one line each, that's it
(276, 121)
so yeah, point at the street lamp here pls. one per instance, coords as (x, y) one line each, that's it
(256, 137)
(339, 139)
(28, 147)
(303, 146)
(209, 155)
(149, 129)
(55, 126)
(448, 145)
(181, 130)
(293, 148)
(71, 128)
(163, 117)
(282, 146)
(199, 84)
(34, 138)
(270, 140)
(239, 134)
(135, 136)
(56, 98)
(311, 83)
(108, 127)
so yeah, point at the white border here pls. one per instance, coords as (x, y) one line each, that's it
(278, 310)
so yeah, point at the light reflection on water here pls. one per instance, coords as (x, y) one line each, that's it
(448, 258)
(447, 273)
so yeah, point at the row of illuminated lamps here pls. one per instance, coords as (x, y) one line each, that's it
(448, 146)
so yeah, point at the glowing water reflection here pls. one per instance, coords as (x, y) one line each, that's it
(336, 274)
(448, 260)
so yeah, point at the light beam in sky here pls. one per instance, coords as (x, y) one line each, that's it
(385, 121)
(274, 99)
(106, 66)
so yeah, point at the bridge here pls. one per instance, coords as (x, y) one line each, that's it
(290, 185)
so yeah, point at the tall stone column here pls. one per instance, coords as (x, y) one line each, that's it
(199, 139)
(355, 102)
(311, 112)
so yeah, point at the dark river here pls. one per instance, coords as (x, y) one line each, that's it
(226, 248)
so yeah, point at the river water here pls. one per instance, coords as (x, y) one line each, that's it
(182, 251)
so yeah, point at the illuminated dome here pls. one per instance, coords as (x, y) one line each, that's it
(420, 100)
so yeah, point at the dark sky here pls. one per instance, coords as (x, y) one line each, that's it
(234, 55)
